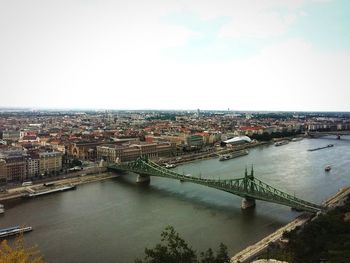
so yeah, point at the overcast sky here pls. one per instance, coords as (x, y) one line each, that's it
(167, 54)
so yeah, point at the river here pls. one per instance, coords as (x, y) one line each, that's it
(114, 220)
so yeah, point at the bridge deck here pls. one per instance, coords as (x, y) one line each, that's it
(247, 187)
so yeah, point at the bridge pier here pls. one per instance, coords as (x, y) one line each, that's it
(247, 202)
(143, 179)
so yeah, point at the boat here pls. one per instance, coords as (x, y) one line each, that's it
(170, 165)
(5, 232)
(280, 143)
(54, 190)
(327, 168)
(225, 157)
(320, 148)
(296, 139)
(236, 154)
(2, 209)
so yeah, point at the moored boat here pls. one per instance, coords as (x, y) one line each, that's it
(280, 143)
(5, 232)
(170, 165)
(233, 155)
(225, 157)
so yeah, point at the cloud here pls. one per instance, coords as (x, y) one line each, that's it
(111, 55)
(249, 19)
(260, 25)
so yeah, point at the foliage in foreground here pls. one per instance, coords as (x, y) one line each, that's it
(174, 249)
(326, 239)
(17, 253)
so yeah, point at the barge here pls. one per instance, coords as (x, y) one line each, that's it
(54, 190)
(236, 154)
(320, 148)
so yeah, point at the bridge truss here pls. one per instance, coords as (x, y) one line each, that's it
(246, 187)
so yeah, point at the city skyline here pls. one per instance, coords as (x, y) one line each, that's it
(179, 55)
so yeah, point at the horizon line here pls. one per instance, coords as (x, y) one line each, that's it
(28, 108)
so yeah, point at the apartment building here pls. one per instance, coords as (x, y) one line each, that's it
(50, 162)
(12, 168)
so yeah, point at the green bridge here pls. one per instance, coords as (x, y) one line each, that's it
(248, 187)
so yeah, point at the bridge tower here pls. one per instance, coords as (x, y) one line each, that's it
(248, 201)
(143, 179)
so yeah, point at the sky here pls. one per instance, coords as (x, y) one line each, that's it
(283, 55)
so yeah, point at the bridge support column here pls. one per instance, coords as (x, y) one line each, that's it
(247, 202)
(143, 179)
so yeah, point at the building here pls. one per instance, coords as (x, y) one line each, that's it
(3, 171)
(125, 153)
(83, 150)
(250, 130)
(12, 168)
(11, 135)
(32, 166)
(50, 162)
(194, 141)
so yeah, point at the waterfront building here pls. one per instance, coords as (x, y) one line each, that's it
(12, 168)
(32, 166)
(3, 172)
(50, 162)
(194, 141)
(131, 152)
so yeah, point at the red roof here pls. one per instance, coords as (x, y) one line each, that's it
(250, 128)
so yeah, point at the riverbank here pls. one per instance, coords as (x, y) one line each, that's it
(250, 253)
(18, 192)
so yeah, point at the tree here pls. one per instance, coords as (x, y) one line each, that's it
(76, 162)
(17, 253)
(174, 249)
(208, 256)
(222, 255)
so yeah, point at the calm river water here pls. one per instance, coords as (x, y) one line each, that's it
(114, 220)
